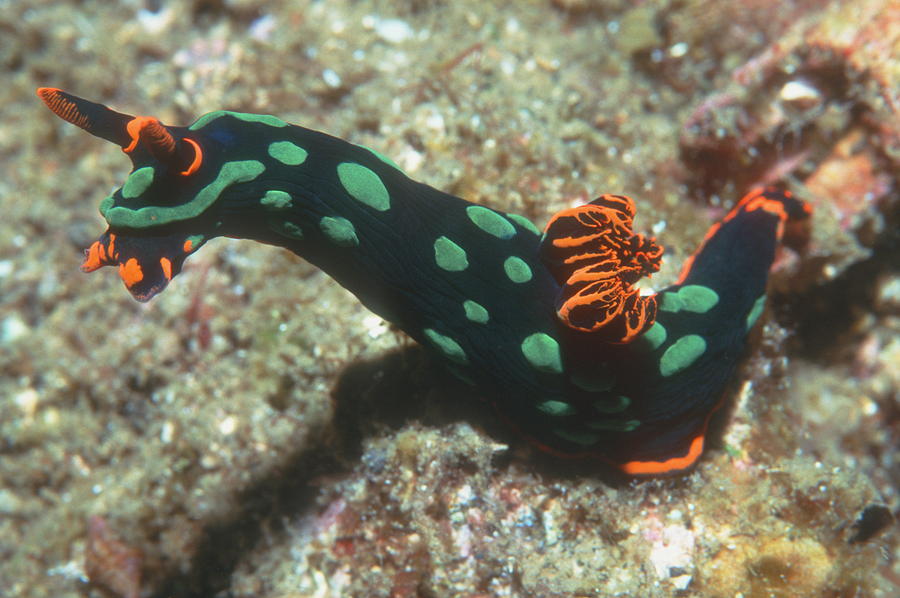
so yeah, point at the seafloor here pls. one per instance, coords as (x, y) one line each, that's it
(253, 431)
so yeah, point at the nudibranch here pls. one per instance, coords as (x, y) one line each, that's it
(549, 326)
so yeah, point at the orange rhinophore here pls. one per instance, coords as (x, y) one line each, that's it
(63, 107)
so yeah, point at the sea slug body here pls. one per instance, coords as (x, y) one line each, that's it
(550, 327)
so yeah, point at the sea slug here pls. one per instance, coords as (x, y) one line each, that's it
(549, 326)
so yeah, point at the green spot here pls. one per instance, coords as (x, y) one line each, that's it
(490, 222)
(288, 153)
(339, 231)
(272, 121)
(196, 241)
(517, 270)
(758, 306)
(681, 354)
(693, 297)
(655, 336)
(276, 200)
(612, 405)
(138, 182)
(380, 156)
(364, 185)
(450, 256)
(599, 380)
(286, 228)
(582, 438)
(557, 408)
(615, 425)
(231, 173)
(524, 223)
(475, 312)
(542, 352)
(446, 345)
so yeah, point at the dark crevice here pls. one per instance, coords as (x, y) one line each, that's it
(826, 316)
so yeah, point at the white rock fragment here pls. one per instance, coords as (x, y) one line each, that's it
(678, 50)
(331, 78)
(392, 30)
(374, 326)
(228, 425)
(13, 328)
(800, 94)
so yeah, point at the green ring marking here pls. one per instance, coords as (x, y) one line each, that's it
(619, 403)
(231, 173)
(655, 336)
(542, 352)
(339, 231)
(524, 223)
(517, 270)
(138, 182)
(582, 438)
(490, 222)
(450, 256)
(288, 153)
(475, 312)
(757, 310)
(447, 346)
(693, 298)
(614, 425)
(682, 354)
(106, 204)
(364, 185)
(556, 408)
(276, 200)
(266, 119)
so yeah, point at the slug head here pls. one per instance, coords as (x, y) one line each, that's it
(154, 219)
